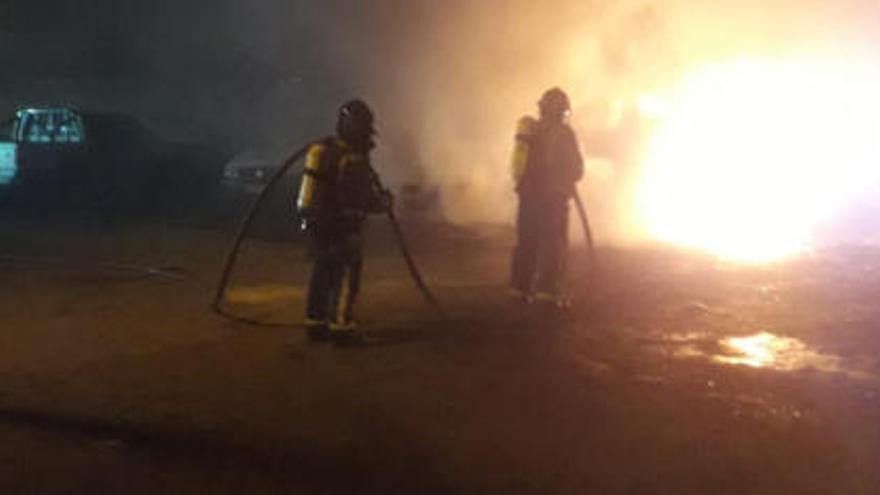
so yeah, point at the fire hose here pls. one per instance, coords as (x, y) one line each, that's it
(404, 248)
(247, 219)
(588, 235)
(243, 227)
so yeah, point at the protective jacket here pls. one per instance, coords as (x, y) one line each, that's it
(546, 159)
(338, 184)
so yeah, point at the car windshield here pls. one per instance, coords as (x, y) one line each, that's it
(50, 126)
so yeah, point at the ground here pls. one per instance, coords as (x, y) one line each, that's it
(116, 380)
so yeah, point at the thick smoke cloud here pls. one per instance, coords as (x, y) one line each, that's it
(475, 67)
(448, 79)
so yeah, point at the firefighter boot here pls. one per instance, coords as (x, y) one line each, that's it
(317, 330)
(517, 297)
(346, 334)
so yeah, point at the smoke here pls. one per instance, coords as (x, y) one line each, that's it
(458, 83)
(448, 79)
(475, 68)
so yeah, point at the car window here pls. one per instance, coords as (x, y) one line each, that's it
(56, 126)
(69, 129)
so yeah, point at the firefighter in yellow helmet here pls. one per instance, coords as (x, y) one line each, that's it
(546, 166)
(339, 189)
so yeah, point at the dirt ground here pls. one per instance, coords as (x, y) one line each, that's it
(673, 374)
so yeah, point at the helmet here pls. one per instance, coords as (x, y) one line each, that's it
(355, 121)
(554, 103)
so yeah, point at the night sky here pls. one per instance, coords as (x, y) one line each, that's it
(227, 69)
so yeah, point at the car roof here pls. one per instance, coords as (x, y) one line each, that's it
(42, 110)
(274, 155)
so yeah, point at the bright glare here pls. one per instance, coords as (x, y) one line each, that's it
(756, 351)
(752, 155)
(765, 350)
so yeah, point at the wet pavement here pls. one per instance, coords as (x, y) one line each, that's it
(674, 373)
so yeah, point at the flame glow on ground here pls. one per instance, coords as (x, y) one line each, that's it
(752, 155)
(765, 350)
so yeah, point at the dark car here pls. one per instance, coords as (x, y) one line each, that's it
(41, 144)
(245, 176)
(248, 172)
(101, 159)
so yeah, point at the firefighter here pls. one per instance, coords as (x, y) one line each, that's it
(546, 166)
(339, 189)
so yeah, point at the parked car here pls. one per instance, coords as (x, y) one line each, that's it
(42, 144)
(100, 159)
(247, 174)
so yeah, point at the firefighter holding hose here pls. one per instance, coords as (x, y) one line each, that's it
(339, 189)
(546, 166)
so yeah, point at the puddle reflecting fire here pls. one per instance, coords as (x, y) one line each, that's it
(762, 350)
(765, 350)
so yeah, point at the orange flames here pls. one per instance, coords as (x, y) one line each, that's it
(752, 155)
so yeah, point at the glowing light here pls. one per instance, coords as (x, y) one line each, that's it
(765, 350)
(753, 155)
(757, 351)
(652, 105)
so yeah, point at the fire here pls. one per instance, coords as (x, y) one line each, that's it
(751, 156)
